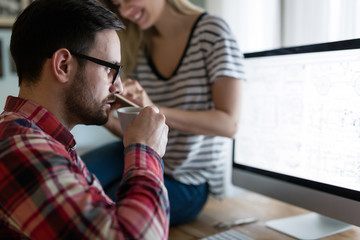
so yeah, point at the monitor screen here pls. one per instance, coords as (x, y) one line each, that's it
(300, 127)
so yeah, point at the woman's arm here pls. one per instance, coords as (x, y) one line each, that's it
(222, 121)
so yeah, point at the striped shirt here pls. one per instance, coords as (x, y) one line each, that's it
(211, 52)
(46, 191)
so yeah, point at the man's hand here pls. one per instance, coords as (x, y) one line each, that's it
(148, 128)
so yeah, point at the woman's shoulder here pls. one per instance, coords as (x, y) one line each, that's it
(206, 16)
(211, 22)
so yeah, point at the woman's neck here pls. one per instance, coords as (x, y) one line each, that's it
(172, 23)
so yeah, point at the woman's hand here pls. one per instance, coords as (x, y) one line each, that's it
(135, 93)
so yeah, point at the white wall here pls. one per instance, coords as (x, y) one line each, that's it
(9, 80)
(266, 24)
(89, 137)
(255, 23)
(309, 21)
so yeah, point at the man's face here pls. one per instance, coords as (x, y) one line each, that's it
(90, 96)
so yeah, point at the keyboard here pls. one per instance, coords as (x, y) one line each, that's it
(228, 235)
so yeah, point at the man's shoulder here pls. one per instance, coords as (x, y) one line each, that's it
(11, 125)
(22, 135)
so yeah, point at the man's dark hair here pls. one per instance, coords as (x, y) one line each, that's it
(48, 25)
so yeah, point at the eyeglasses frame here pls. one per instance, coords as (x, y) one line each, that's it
(118, 68)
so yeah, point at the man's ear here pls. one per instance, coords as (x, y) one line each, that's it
(62, 64)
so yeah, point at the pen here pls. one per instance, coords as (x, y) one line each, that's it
(125, 101)
(235, 223)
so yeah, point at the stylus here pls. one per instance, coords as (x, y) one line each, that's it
(127, 102)
(235, 223)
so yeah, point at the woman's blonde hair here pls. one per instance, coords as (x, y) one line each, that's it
(133, 39)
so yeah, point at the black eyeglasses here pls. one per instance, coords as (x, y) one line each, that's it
(118, 68)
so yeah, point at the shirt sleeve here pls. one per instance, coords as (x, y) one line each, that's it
(45, 195)
(223, 56)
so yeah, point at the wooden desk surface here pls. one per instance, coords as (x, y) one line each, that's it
(246, 205)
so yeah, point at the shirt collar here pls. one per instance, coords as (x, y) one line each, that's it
(42, 118)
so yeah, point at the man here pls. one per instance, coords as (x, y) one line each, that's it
(67, 55)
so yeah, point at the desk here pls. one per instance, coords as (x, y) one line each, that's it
(246, 205)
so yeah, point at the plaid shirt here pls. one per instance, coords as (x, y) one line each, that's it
(46, 191)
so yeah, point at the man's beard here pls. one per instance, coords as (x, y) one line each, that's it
(81, 105)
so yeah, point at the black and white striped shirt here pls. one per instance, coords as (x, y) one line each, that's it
(211, 52)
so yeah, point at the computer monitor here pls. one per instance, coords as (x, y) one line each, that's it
(299, 134)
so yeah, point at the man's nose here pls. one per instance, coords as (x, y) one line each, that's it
(117, 87)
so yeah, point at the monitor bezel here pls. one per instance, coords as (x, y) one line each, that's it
(311, 48)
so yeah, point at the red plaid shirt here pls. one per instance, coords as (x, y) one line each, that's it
(46, 191)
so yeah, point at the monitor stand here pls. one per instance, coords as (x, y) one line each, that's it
(308, 226)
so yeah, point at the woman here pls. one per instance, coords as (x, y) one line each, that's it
(187, 63)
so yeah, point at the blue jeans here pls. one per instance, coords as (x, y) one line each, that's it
(107, 163)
